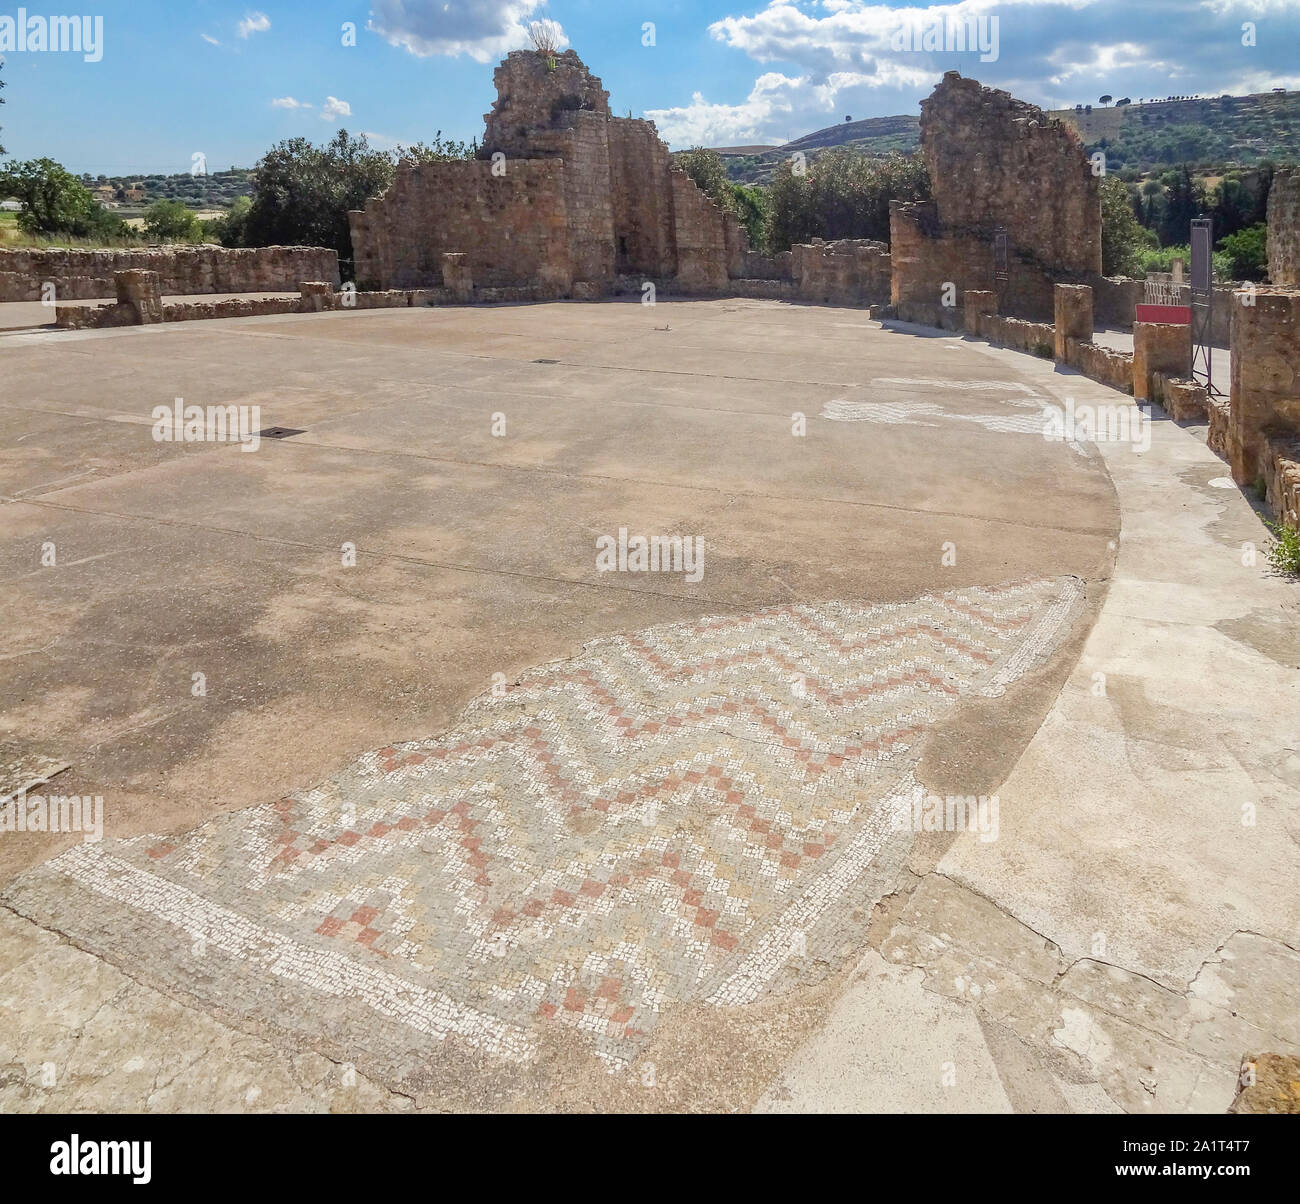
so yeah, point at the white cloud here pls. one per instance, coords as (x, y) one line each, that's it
(483, 29)
(209, 39)
(288, 102)
(254, 23)
(833, 58)
(334, 108)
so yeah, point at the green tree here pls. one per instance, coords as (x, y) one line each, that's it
(228, 230)
(1122, 235)
(440, 150)
(1231, 206)
(1184, 200)
(54, 200)
(752, 205)
(170, 221)
(302, 193)
(707, 169)
(843, 193)
(1247, 252)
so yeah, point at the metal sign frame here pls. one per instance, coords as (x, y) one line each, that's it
(1202, 290)
(1001, 256)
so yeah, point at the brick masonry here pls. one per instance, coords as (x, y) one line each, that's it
(1284, 228)
(994, 162)
(182, 271)
(564, 200)
(1265, 379)
(1159, 348)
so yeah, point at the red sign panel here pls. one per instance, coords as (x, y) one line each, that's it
(1168, 315)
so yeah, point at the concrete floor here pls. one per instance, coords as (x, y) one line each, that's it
(476, 557)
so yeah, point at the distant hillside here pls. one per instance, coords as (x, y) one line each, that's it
(219, 190)
(1226, 131)
(875, 135)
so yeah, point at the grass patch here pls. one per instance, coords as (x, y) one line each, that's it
(1284, 555)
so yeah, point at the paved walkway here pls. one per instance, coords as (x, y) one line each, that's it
(1132, 934)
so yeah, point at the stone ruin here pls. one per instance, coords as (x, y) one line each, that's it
(567, 200)
(995, 163)
(79, 275)
(1284, 228)
(564, 199)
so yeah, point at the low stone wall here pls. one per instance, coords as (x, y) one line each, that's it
(183, 271)
(1038, 338)
(765, 290)
(1159, 348)
(850, 271)
(754, 266)
(1115, 300)
(1102, 364)
(1220, 414)
(314, 297)
(1183, 400)
(1281, 462)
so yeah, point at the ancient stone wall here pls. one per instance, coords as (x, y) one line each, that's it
(1265, 401)
(701, 238)
(1159, 348)
(1282, 478)
(997, 161)
(566, 201)
(931, 265)
(645, 242)
(533, 96)
(1284, 228)
(182, 271)
(513, 226)
(845, 272)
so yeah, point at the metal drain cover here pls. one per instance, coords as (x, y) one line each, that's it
(279, 432)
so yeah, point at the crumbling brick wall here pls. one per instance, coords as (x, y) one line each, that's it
(1284, 228)
(1265, 401)
(845, 272)
(601, 188)
(995, 163)
(513, 226)
(182, 271)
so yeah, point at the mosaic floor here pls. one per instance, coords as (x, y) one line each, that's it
(685, 816)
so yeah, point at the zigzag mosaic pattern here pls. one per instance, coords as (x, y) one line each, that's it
(678, 816)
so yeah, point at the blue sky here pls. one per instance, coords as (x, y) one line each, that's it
(229, 80)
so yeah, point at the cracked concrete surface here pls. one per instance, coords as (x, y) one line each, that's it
(1136, 925)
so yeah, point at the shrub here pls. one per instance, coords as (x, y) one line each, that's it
(1247, 253)
(1284, 555)
(171, 221)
